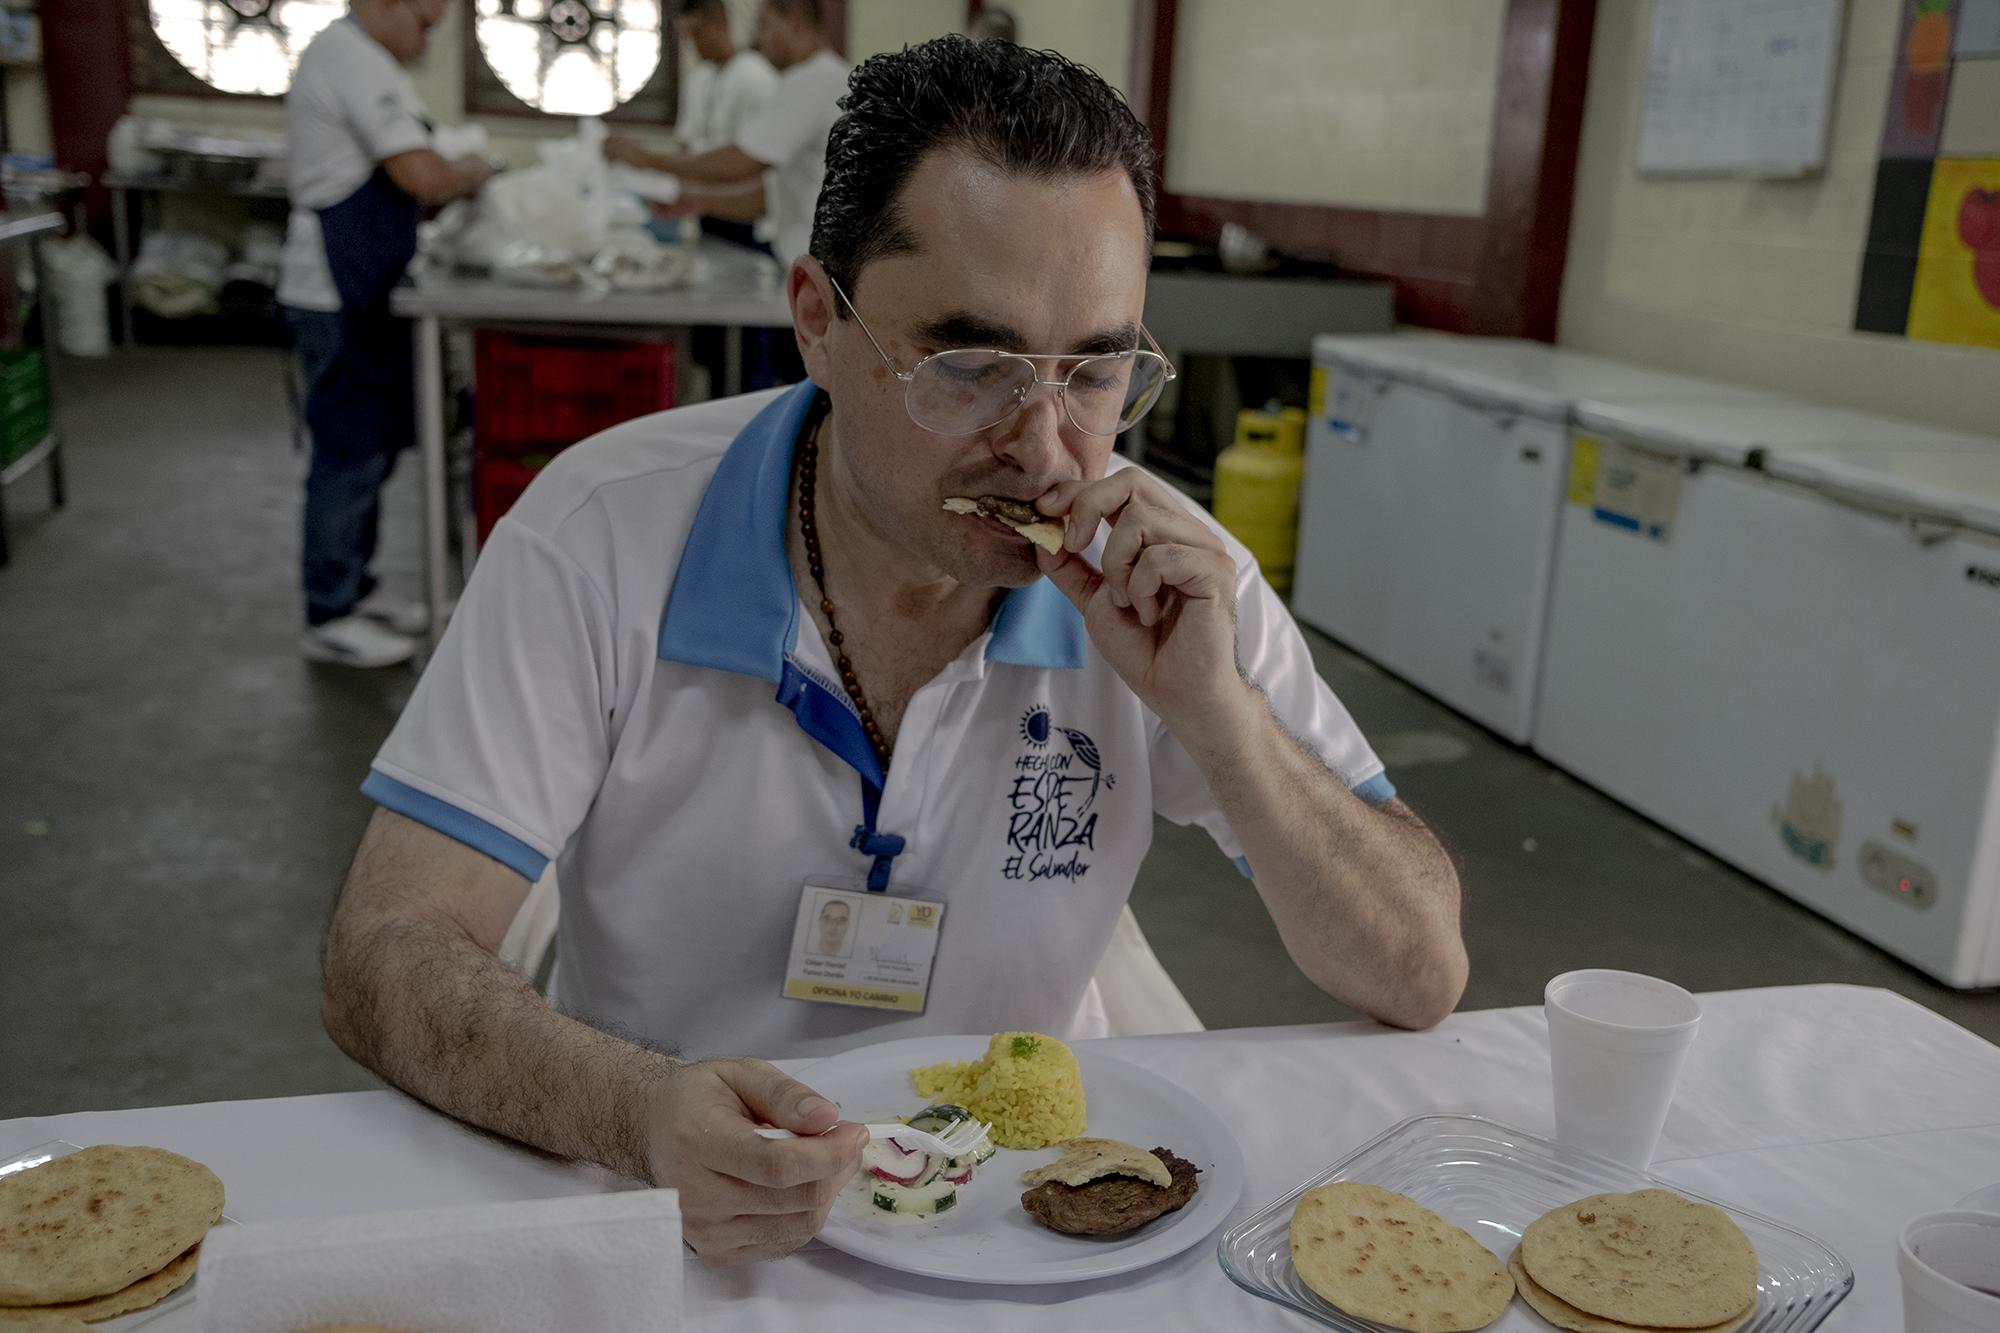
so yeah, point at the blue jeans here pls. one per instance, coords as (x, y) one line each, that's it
(350, 461)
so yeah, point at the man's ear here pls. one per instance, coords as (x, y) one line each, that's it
(812, 298)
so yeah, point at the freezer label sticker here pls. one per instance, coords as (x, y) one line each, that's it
(1636, 491)
(1583, 456)
(1352, 410)
(1808, 823)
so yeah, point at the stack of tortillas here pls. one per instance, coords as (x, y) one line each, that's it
(100, 1233)
(1383, 1256)
(1631, 1263)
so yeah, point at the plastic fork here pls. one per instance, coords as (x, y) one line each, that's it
(965, 1136)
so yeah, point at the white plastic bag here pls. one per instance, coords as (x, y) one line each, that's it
(78, 272)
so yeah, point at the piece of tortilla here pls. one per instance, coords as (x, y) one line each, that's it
(1047, 534)
(1085, 1160)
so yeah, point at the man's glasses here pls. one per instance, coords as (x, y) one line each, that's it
(969, 389)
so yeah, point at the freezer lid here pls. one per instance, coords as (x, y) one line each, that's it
(1513, 374)
(1732, 432)
(1958, 486)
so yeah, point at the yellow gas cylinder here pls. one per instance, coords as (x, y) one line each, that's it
(1257, 490)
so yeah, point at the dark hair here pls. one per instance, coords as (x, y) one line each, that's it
(695, 9)
(1032, 112)
(809, 10)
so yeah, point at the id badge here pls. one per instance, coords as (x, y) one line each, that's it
(871, 950)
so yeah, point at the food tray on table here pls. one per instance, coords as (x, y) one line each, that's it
(1494, 1181)
(176, 1313)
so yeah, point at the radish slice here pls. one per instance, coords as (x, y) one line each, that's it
(901, 1168)
(962, 1176)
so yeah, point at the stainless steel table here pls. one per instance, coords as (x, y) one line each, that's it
(733, 287)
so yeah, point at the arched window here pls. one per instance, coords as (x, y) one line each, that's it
(570, 57)
(240, 46)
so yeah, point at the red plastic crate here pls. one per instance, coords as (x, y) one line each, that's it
(496, 484)
(539, 394)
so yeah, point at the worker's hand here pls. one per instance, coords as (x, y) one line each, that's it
(624, 148)
(683, 207)
(1162, 610)
(473, 172)
(744, 1197)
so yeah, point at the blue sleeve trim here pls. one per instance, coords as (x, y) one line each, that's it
(1243, 865)
(455, 823)
(1378, 790)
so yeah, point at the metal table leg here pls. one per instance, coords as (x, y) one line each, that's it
(732, 360)
(430, 446)
(121, 245)
(683, 344)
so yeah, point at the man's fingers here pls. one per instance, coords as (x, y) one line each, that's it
(747, 1199)
(1071, 574)
(1171, 567)
(777, 1098)
(787, 1163)
(1082, 505)
(749, 1238)
(1120, 554)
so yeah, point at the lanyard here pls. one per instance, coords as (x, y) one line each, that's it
(827, 719)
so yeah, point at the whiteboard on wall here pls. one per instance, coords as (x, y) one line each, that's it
(1739, 87)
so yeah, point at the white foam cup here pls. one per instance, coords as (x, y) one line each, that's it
(1617, 1041)
(1951, 1273)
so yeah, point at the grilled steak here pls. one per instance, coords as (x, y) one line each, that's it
(1114, 1205)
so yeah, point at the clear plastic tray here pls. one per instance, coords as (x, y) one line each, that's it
(173, 1314)
(1493, 1181)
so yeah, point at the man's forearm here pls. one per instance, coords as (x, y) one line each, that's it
(741, 205)
(1365, 899)
(435, 1014)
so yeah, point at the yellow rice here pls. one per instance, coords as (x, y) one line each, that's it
(1027, 1084)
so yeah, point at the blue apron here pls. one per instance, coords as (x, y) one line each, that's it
(365, 403)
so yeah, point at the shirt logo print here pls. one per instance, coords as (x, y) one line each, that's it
(1051, 802)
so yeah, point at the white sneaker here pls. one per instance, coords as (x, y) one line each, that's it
(411, 618)
(356, 641)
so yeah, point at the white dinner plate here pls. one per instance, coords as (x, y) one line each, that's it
(989, 1237)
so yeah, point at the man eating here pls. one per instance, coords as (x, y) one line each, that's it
(725, 661)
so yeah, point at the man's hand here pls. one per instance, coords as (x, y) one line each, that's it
(1163, 608)
(473, 172)
(624, 148)
(744, 1197)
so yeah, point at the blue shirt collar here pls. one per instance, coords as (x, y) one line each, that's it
(734, 606)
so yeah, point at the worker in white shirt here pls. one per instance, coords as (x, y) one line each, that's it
(785, 144)
(727, 87)
(361, 168)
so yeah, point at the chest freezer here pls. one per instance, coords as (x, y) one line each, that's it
(1777, 632)
(1435, 472)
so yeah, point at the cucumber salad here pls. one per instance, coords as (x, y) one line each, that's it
(920, 1184)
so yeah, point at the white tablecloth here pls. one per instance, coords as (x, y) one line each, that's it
(1841, 1110)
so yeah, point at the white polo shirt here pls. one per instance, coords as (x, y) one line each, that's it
(631, 685)
(790, 135)
(351, 106)
(719, 100)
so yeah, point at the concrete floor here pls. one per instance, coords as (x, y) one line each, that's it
(178, 791)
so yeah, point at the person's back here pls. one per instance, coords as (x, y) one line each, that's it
(333, 148)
